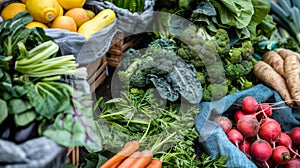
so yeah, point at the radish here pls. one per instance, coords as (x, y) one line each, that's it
(248, 125)
(235, 136)
(239, 114)
(264, 110)
(261, 150)
(249, 105)
(295, 135)
(281, 155)
(245, 147)
(224, 123)
(285, 140)
(270, 130)
(292, 163)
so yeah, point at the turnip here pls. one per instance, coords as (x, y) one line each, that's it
(286, 141)
(261, 150)
(245, 147)
(248, 125)
(270, 131)
(224, 122)
(264, 110)
(235, 136)
(249, 105)
(292, 163)
(295, 135)
(281, 155)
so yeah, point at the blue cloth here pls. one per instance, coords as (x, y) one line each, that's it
(214, 140)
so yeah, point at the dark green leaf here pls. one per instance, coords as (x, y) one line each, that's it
(22, 119)
(3, 110)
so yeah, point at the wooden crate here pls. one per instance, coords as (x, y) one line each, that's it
(120, 44)
(73, 155)
(97, 72)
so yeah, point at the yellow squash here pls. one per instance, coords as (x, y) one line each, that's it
(100, 21)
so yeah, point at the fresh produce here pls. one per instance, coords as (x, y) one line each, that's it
(154, 164)
(36, 24)
(79, 15)
(286, 84)
(249, 105)
(261, 137)
(33, 93)
(43, 11)
(132, 6)
(100, 21)
(224, 122)
(12, 10)
(69, 4)
(64, 22)
(275, 60)
(265, 73)
(295, 135)
(292, 163)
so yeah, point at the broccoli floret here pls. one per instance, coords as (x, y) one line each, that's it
(189, 36)
(248, 66)
(139, 79)
(235, 55)
(223, 42)
(247, 50)
(214, 92)
(125, 75)
(216, 73)
(245, 84)
(234, 71)
(201, 77)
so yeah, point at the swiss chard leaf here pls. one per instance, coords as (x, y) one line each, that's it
(76, 126)
(3, 110)
(49, 98)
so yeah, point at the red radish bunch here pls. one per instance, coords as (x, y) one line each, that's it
(260, 137)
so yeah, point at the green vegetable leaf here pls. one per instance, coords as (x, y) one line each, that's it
(22, 119)
(3, 110)
(49, 98)
(16, 106)
(76, 126)
(235, 13)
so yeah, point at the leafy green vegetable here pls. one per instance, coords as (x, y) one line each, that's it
(3, 110)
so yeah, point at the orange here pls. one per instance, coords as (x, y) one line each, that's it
(36, 24)
(64, 22)
(79, 15)
(12, 10)
(69, 4)
(90, 13)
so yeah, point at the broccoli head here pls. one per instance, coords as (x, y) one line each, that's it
(235, 55)
(223, 42)
(234, 71)
(247, 50)
(216, 73)
(248, 66)
(214, 92)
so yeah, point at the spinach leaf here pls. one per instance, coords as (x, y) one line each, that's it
(18, 105)
(22, 119)
(49, 98)
(237, 13)
(3, 110)
(76, 126)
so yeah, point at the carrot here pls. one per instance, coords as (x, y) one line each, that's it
(286, 52)
(155, 164)
(144, 160)
(275, 60)
(270, 77)
(292, 76)
(128, 162)
(128, 149)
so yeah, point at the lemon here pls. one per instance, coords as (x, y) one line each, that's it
(79, 15)
(12, 10)
(61, 11)
(23, 1)
(69, 4)
(90, 13)
(36, 24)
(43, 11)
(64, 22)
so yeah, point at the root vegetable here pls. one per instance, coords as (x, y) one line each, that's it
(292, 76)
(249, 105)
(284, 53)
(235, 136)
(275, 61)
(285, 140)
(224, 123)
(239, 114)
(143, 161)
(155, 164)
(128, 149)
(264, 110)
(261, 150)
(281, 155)
(292, 163)
(245, 147)
(295, 135)
(270, 130)
(270, 77)
(129, 162)
(248, 126)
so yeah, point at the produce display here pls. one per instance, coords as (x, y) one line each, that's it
(197, 57)
(61, 14)
(259, 136)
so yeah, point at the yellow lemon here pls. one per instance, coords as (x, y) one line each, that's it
(36, 24)
(69, 4)
(42, 10)
(90, 13)
(79, 15)
(64, 22)
(12, 10)
(61, 11)
(23, 1)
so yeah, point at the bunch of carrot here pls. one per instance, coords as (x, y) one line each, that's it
(280, 70)
(130, 157)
